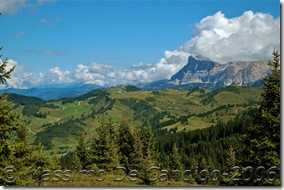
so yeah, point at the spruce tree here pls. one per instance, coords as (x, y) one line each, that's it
(262, 138)
(130, 147)
(149, 156)
(103, 149)
(82, 152)
(7, 121)
(175, 165)
(15, 151)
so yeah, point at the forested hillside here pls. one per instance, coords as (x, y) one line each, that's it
(227, 136)
(167, 111)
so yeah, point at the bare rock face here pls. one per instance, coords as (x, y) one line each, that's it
(200, 70)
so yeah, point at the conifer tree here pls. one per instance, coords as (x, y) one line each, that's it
(76, 162)
(262, 139)
(14, 148)
(103, 149)
(7, 120)
(175, 165)
(82, 152)
(130, 147)
(114, 159)
(149, 156)
(136, 156)
(149, 145)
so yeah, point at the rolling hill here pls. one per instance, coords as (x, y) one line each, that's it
(57, 124)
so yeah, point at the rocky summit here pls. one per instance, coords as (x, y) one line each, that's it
(201, 70)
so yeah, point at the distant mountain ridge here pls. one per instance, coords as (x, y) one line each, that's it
(50, 93)
(203, 72)
(198, 72)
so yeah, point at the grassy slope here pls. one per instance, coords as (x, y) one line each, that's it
(176, 103)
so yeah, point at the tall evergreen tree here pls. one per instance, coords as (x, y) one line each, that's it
(149, 156)
(7, 120)
(14, 149)
(130, 147)
(82, 152)
(149, 152)
(262, 139)
(103, 149)
(176, 166)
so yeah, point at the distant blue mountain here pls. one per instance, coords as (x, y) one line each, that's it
(49, 93)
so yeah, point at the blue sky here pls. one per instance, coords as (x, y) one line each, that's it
(113, 38)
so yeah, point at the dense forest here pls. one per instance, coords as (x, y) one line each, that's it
(243, 150)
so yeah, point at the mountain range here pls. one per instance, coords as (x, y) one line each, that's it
(203, 72)
(49, 93)
(198, 72)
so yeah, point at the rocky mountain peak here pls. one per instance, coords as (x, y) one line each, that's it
(201, 70)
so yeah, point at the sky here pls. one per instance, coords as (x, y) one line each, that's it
(128, 42)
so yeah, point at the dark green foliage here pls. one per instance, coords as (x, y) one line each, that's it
(66, 161)
(81, 152)
(262, 139)
(130, 88)
(93, 93)
(198, 89)
(209, 99)
(64, 130)
(7, 122)
(175, 164)
(33, 111)
(104, 147)
(14, 149)
(150, 99)
(144, 112)
(204, 147)
(105, 108)
(130, 147)
(30, 101)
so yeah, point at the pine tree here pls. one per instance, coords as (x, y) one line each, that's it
(76, 162)
(262, 138)
(130, 147)
(125, 145)
(149, 156)
(230, 163)
(7, 120)
(82, 152)
(149, 145)
(176, 166)
(14, 148)
(103, 149)
(114, 159)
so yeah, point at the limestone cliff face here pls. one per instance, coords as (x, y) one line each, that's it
(204, 71)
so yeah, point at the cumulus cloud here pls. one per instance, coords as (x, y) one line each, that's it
(100, 74)
(14, 6)
(251, 36)
(15, 81)
(59, 76)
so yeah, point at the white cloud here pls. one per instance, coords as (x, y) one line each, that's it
(251, 36)
(96, 73)
(16, 81)
(14, 6)
(58, 76)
